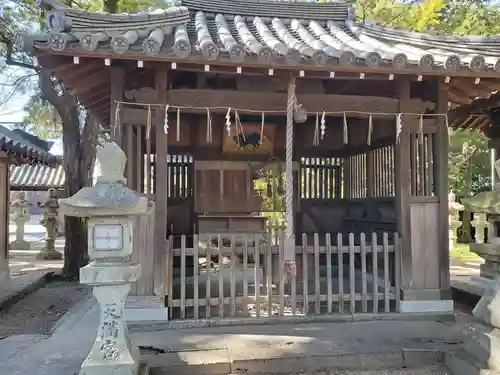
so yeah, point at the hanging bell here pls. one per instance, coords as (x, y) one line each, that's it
(299, 114)
(269, 189)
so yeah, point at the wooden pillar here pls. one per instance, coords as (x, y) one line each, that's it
(441, 181)
(402, 168)
(4, 219)
(117, 79)
(160, 271)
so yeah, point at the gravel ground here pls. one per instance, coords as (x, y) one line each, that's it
(40, 311)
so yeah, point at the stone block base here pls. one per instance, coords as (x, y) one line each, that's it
(145, 309)
(481, 354)
(489, 269)
(483, 343)
(443, 306)
(118, 370)
(19, 245)
(49, 255)
(426, 301)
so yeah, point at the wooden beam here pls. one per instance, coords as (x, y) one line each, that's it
(253, 61)
(117, 83)
(263, 101)
(467, 86)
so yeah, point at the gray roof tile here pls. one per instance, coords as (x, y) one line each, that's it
(20, 143)
(267, 31)
(36, 177)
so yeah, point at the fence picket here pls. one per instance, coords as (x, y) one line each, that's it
(233, 300)
(208, 286)
(281, 264)
(257, 276)
(340, 252)
(375, 272)
(397, 271)
(220, 296)
(183, 277)
(245, 276)
(317, 292)
(364, 291)
(293, 287)
(232, 286)
(387, 284)
(329, 273)
(352, 280)
(196, 301)
(305, 280)
(269, 276)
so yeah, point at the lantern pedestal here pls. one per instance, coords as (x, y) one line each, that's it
(112, 352)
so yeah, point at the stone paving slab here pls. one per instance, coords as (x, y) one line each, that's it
(216, 350)
(17, 287)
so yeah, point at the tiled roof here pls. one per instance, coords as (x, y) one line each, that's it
(274, 32)
(24, 145)
(36, 177)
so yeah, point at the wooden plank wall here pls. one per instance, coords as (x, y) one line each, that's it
(143, 252)
(423, 207)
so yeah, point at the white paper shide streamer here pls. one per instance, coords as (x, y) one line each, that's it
(165, 121)
(346, 130)
(323, 125)
(228, 122)
(370, 130)
(421, 130)
(316, 132)
(399, 127)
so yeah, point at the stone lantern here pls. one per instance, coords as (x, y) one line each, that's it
(20, 217)
(50, 222)
(109, 206)
(482, 341)
(487, 202)
(454, 223)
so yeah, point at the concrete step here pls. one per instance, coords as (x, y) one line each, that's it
(426, 370)
(216, 362)
(461, 363)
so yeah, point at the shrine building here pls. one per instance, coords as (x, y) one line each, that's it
(297, 158)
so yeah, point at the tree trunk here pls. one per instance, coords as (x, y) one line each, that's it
(79, 144)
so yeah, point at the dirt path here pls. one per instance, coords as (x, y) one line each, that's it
(38, 312)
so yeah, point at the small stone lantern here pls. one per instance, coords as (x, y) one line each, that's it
(109, 206)
(50, 222)
(20, 217)
(453, 220)
(482, 341)
(480, 223)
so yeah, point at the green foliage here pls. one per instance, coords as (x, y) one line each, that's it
(469, 162)
(42, 119)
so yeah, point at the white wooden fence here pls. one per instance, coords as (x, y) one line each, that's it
(243, 276)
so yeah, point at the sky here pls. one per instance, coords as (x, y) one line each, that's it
(12, 111)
